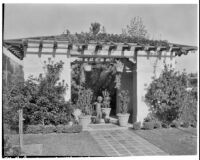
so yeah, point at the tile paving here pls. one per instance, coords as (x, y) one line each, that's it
(123, 142)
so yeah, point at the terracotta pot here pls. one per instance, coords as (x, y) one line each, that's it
(123, 119)
(84, 121)
(106, 111)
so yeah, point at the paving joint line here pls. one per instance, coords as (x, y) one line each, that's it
(107, 144)
(121, 144)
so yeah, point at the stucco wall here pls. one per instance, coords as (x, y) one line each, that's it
(12, 67)
(33, 65)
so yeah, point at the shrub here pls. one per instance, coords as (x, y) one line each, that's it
(165, 125)
(69, 129)
(166, 93)
(185, 124)
(34, 129)
(9, 150)
(157, 124)
(175, 124)
(136, 125)
(194, 124)
(148, 125)
(49, 129)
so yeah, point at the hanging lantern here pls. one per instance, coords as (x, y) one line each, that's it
(87, 67)
(119, 66)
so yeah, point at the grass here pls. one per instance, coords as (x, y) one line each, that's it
(76, 144)
(173, 141)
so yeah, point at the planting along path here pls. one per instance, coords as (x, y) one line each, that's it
(120, 141)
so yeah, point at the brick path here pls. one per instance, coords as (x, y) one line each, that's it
(123, 142)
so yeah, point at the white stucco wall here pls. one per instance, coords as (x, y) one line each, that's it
(33, 65)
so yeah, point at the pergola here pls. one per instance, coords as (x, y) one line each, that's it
(55, 46)
(96, 51)
(93, 51)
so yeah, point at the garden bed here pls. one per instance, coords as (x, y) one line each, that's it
(35, 129)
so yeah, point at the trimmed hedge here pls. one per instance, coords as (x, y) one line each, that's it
(137, 125)
(35, 129)
(148, 125)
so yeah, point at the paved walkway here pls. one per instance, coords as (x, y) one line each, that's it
(120, 141)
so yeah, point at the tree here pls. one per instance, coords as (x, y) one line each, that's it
(136, 28)
(95, 28)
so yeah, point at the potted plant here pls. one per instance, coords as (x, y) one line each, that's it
(106, 104)
(123, 116)
(84, 103)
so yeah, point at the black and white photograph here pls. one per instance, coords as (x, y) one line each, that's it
(100, 80)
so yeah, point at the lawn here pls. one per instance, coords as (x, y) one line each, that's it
(173, 141)
(76, 144)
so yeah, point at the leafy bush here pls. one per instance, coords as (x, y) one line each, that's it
(9, 150)
(34, 129)
(136, 125)
(165, 125)
(157, 124)
(175, 124)
(148, 125)
(185, 124)
(68, 129)
(188, 111)
(165, 95)
(49, 129)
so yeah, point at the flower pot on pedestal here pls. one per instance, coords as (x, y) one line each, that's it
(84, 121)
(106, 111)
(123, 119)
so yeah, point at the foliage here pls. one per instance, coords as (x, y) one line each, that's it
(35, 129)
(123, 101)
(106, 99)
(84, 101)
(100, 78)
(49, 129)
(9, 150)
(185, 124)
(188, 111)
(136, 28)
(175, 124)
(136, 125)
(165, 95)
(148, 125)
(42, 98)
(107, 38)
(95, 28)
(157, 124)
